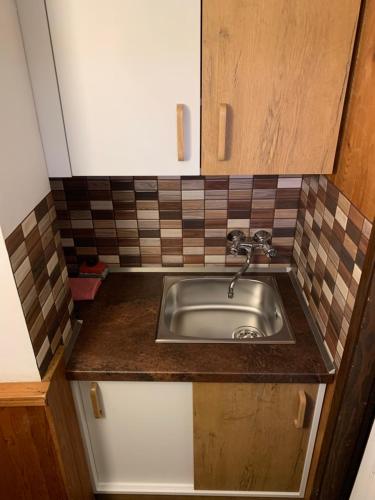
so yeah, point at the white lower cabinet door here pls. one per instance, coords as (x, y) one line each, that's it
(143, 442)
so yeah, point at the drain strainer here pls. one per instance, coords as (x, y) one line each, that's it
(247, 332)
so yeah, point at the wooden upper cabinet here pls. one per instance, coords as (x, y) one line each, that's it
(129, 78)
(274, 80)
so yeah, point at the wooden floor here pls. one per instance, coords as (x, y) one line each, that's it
(176, 497)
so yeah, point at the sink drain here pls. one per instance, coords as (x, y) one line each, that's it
(247, 332)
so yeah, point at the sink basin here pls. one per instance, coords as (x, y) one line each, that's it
(197, 309)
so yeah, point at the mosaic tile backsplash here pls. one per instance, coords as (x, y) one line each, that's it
(40, 274)
(172, 221)
(329, 250)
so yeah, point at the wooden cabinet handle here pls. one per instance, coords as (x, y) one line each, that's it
(221, 149)
(96, 408)
(180, 133)
(299, 421)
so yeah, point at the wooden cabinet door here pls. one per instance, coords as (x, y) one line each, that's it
(274, 81)
(245, 436)
(143, 441)
(123, 67)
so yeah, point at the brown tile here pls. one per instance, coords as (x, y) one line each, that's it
(14, 240)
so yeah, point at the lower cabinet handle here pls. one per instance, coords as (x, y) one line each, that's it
(221, 148)
(180, 133)
(96, 408)
(299, 421)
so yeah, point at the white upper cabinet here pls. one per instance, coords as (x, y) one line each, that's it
(123, 67)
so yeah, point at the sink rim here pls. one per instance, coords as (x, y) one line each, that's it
(164, 335)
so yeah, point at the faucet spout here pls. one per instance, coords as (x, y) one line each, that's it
(237, 276)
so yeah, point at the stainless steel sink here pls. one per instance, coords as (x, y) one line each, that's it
(197, 309)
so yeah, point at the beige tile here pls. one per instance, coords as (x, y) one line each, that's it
(193, 214)
(357, 273)
(149, 242)
(215, 233)
(110, 259)
(42, 352)
(172, 259)
(151, 250)
(193, 195)
(22, 271)
(171, 233)
(289, 182)
(342, 286)
(129, 251)
(47, 305)
(214, 259)
(28, 224)
(66, 334)
(341, 218)
(126, 224)
(148, 214)
(53, 261)
(367, 228)
(344, 204)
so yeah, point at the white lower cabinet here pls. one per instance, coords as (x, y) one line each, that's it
(144, 440)
(252, 440)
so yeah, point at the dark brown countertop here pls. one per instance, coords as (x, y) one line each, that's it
(117, 342)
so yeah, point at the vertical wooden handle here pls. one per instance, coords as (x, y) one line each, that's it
(221, 149)
(180, 133)
(299, 421)
(96, 408)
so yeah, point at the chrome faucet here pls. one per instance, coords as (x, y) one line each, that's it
(240, 246)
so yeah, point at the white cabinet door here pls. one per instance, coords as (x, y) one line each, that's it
(144, 441)
(122, 67)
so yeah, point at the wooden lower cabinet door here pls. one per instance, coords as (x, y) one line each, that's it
(246, 436)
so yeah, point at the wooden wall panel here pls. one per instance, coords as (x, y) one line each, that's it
(28, 461)
(41, 450)
(355, 166)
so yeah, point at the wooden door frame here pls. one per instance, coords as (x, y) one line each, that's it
(353, 404)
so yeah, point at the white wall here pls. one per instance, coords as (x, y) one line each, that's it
(17, 360)
(23, 173)
(364, 486)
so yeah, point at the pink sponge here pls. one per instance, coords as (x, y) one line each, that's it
(84, 288)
